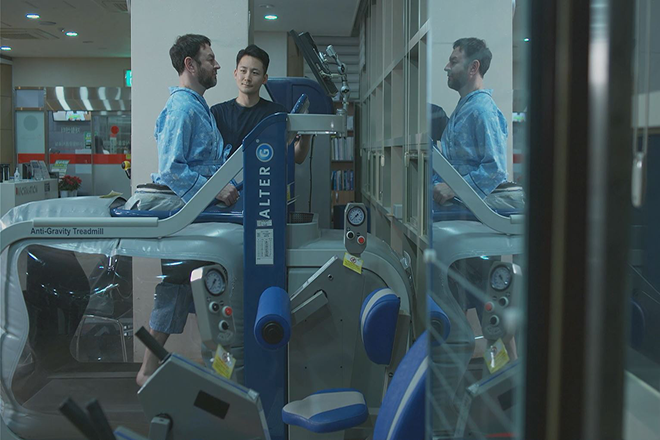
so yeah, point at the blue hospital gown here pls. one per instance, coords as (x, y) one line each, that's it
(190, 147)
(474, 142)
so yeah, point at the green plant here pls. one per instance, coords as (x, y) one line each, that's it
(69, 183)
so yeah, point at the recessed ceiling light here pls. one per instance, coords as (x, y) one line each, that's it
(71, 34)
(32, 16)
(270, 17)
(5, 48)
(526, 40)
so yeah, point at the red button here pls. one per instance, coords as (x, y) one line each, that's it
(361, 240)
(489, 306)
(227, 311)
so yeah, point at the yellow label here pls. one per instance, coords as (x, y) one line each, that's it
(223, 362)
(288, 191)
(353, 263)
(496, 356)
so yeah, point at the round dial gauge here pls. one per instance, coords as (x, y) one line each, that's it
(356, 216)
(215, 282)
(500, 279)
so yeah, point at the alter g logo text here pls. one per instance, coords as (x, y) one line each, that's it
(264, 152)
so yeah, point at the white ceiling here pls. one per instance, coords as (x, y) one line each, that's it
(319, 17)
(105, 31)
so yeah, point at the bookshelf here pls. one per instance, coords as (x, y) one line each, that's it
(393, 145)
(342, 165)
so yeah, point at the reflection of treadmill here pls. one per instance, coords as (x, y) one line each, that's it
(492, 234)
(645, 306)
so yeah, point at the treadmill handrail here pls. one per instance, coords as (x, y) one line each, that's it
(149, 227)
(512, 225)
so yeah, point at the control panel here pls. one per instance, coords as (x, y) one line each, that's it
(215, 316)
(504, 284)
(355, 228)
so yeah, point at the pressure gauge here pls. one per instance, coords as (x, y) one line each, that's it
(215, 282)
(356, 216)
(500, 278)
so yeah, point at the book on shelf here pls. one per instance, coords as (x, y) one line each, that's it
(343, 149)
(343, 180)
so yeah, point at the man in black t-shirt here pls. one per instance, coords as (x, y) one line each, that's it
(237, 117)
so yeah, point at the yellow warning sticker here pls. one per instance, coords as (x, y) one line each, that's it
(223, 362)
(353, 263)
(496, 356)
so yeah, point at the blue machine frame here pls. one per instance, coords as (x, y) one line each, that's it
(264, 229)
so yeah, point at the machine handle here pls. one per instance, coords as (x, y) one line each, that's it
(100, 421)
(152, 344)
(79, 419)
(639, 179)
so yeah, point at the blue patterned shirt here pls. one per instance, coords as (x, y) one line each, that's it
(190, 147)
(474, 142)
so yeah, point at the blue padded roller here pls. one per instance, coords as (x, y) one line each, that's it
(378, 317)
(438, 318)
(327, 411)
(401, 415)
(272, 327)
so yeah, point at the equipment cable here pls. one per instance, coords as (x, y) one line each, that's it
(311, 152)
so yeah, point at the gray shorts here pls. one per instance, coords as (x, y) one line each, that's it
(152, 197)
(173, 299)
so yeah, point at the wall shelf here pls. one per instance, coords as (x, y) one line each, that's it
(393, 123)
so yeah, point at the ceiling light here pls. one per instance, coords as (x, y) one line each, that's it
(270, 17)
(526, 40)
(32, 16)
(71, 34)
(5, 48)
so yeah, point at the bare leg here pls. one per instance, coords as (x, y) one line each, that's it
(150, 361)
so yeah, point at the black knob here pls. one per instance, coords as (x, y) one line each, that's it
(272, 333)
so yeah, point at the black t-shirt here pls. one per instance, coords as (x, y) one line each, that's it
(235, 121)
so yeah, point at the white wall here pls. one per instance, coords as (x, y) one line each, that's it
(275, 43)
(491, 21)
(155, 25)
(70, 72)
(654, 110)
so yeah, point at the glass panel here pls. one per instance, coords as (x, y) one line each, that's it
(70, 138)
(82, 310)
(643, 355)
(476, 292)
(112, 133)
(30, 134)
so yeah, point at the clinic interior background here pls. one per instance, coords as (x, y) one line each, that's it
(395, 51)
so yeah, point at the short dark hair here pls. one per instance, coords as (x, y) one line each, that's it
(475, 49)
(254, 51)
(187, 46)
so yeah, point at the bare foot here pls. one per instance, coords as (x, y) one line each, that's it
(141, 378)
(150, 362)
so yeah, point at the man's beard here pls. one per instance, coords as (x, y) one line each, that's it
(455, 83)
(207, 79)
